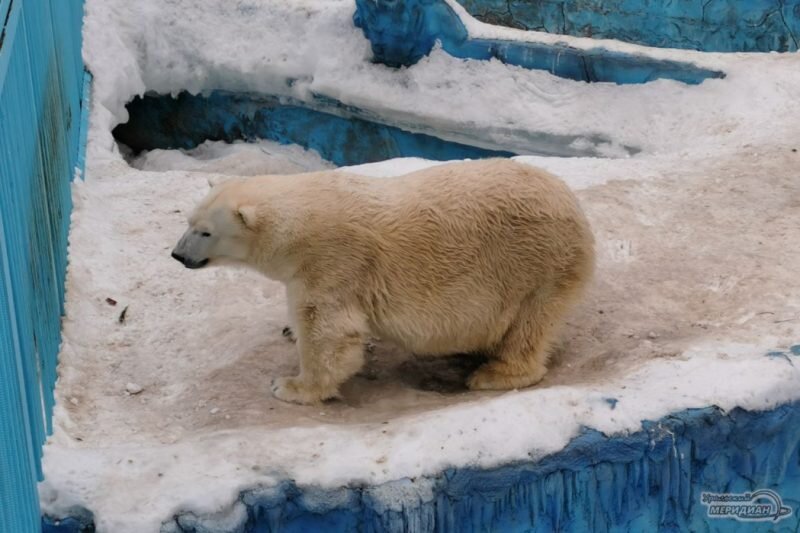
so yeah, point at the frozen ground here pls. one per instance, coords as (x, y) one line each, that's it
(163, 396)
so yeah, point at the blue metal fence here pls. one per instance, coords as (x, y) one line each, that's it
(41, 87)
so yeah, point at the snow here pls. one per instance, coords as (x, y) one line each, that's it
(236, 159)
(249, 46)
(696, 277)
(399, 166)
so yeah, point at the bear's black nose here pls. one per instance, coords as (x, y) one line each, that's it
(179, 258)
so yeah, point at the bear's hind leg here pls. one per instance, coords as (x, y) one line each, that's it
(331, 347)
(520, 358)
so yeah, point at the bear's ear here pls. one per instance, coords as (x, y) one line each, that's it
(248, 215)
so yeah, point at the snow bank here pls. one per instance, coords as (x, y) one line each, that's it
(205, 45)
(236, 159)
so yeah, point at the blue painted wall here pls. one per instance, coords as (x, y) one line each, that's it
(401, 32)
(711, 26)
(41, 82)
(650, 480)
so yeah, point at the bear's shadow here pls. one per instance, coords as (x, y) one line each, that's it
(440, 374)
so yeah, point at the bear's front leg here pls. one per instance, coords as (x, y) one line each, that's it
(330, 342)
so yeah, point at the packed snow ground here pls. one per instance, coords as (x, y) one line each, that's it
(236, 159)
(163, 394)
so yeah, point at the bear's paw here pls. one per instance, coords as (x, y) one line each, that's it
(296, 390)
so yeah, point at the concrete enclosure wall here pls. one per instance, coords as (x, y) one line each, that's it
(711, 26)
(403, 31)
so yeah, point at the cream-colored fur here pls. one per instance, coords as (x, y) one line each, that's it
(464, 257)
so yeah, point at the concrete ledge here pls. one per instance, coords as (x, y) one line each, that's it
(637, 482)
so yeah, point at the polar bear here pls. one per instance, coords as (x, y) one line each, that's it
(480, 256)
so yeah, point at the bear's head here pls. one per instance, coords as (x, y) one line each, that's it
(221, 228)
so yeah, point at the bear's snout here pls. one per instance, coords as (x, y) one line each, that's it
(189, 263)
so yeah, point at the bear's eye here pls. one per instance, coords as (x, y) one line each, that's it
(205, 234)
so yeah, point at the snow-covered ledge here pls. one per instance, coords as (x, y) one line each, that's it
(597, 483)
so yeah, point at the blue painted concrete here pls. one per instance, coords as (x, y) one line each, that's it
(68, 525)
(711, 26)
(401, 32)
(342, 134)
(186, 121)
(646, 481)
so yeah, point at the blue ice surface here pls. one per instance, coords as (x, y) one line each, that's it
(343, 135)
(401, 32)
(709, 26)
(649, 480)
